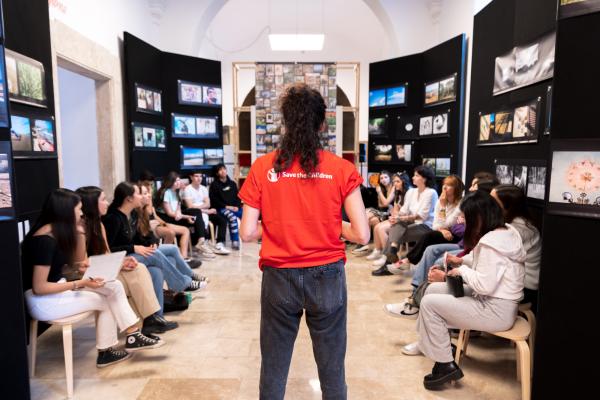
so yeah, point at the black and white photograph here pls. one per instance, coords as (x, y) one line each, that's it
(525, 65)
(504, 173)
(440, 124)
(404, 152)
(520, 177)
(536, 183)
(426, 126)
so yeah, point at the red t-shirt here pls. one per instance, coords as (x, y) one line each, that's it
(301, 215)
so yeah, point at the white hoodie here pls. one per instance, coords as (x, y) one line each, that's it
(498, 265)
(532, 244)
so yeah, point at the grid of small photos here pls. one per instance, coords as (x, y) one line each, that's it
(272, 80)
(32, 137)
(148, 137)
(515, 125)
(529, 175)
(148, 100)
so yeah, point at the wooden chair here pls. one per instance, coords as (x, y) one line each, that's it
(527, 313)
(67, 332)
(519, 334)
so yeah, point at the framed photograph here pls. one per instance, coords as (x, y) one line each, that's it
(32, 137)
(503, 127)
(26, 79)
(382, 152)
(440, 124)
(426, 126)
(4, 121)
(148, 100)
(191, 158)
(404, 152)
(206, 127)
(441, 91)
(429, 162)
(442, 166)
(505, 174)
(525, 65)
(213, 156)
(189, 93)
(520, 177)
(486, 126)
(377, 127)
(211, 95)
(395, 96)
(20, 134)
(377, 98)
(573, 8)
(575, 178)
(6, 189)
(194, 127)
(42, 136)
(517, 125)
(536, 183)
(148, 137)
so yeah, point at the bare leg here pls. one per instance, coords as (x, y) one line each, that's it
(184, 238)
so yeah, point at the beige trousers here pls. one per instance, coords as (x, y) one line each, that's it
(139, 291)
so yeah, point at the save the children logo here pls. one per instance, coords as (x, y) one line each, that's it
(272, 176)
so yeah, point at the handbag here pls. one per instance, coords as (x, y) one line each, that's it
(174, 301)
(455, 285)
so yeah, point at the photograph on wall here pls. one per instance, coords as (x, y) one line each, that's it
(206, 128)
(377, 98)
(211, 95)
(189, 93)
(148, 100)
(525, 121)
(503, 127)
(404, 152)
(505, 174)
(148, 137)
(42, 135)
(213, 156)
(432, 93)
(382, 152)
(373, 179)
(184, 125)
(575, 181)
(573, 8)
(486, 125)
(20, 134)
(429, 162)
(442, 167)
(6, 202)
(520, 177)
(26, 78)
(447, 89)
(441, 91)
(525, 65)
(395, 96)
(440, 124)
(3, 93)
(191, 157)
(426, 126)
(536, 183)
(377, 126)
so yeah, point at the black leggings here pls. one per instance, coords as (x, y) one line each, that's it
(197, 228)
(220, 223)
(430, 238)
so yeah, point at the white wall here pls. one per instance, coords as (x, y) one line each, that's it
(79, 136)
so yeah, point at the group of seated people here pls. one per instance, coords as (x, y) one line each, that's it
(486, 237)
(74, 225)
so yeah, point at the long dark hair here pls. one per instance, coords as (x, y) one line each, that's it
(383, 188)
(143, 220)
(482, 215)
(427, 173)
(58, 212)
(514, 203)
(303, 111)
(122, 191)
(400, 194)
(167, 183)
(89, 205)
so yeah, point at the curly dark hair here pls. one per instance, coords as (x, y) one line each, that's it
(303, 112)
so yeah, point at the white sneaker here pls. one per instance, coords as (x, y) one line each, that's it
(361, 251)
(381, 261)
(375, 254)
(220, 249)
(393, 268)
(411, 349)
(402, 310)
(205, 249)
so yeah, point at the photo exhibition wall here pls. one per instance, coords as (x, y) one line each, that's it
(416, 105)
(173, 110)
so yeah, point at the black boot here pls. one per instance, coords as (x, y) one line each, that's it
(383, 271)
(157, 324)
(442, 373)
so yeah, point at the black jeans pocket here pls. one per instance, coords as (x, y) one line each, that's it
(276, 285)
(330, 284)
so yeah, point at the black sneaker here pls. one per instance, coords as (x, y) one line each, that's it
(196, 285)
(194, 263)
(198, 278)
(111, 356)
(138, 341)
(157, 324)
(383, 271)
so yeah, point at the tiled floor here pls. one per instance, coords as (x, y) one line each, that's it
(215, 353)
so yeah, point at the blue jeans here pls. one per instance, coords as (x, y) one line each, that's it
(430, 256)
(174, 269)
(232, 217)
(286, 293)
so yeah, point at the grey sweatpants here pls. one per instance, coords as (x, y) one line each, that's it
(403, 232)
(440, 310)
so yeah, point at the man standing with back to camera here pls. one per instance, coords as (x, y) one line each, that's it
(298, 191)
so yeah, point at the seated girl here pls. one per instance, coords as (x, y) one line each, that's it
(49, 252)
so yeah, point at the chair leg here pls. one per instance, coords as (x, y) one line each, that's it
(525, 361)
(530, 316)
(32, 346)
(68, 350)
(461, 345)
(240, 241)
(211, 226)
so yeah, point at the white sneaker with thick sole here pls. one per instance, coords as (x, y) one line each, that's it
(381, 261)
(361, 251)
(412, 349)
(375, 254)
(402, 310)
(220, 249)
(204, 248)
(393, 269)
